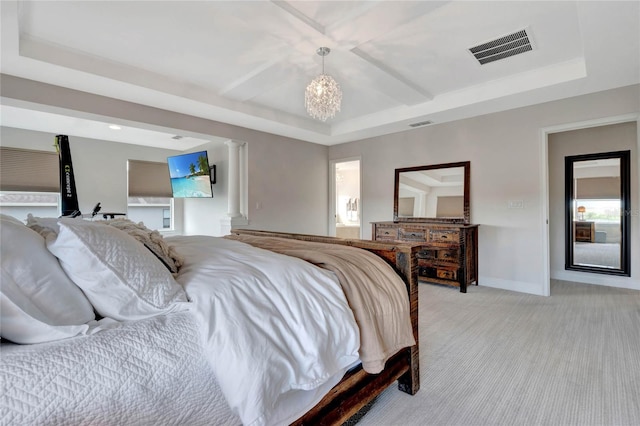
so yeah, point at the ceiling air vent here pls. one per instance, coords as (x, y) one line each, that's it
(503, 47)
(422, 123)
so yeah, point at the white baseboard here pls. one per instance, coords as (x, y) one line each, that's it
(519, 286)
(598, 279)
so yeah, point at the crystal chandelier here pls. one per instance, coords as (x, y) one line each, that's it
(323, 95)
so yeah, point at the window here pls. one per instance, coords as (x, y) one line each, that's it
(29, 183)
(20, 204)
(150, 198)
(599, 210)
(155, 212)
(166, 218)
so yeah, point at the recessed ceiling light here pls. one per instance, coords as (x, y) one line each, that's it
(114, 127)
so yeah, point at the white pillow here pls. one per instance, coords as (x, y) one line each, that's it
(11, 219)
(122, 279)
(38, 276)
(23, 322)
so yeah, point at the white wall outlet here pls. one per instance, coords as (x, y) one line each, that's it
(516, 204)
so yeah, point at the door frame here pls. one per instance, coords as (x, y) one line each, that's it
(331, 222)
(544, 196)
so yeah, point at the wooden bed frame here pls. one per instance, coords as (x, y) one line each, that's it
(358, 388)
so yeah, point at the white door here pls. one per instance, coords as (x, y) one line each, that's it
(346, 206)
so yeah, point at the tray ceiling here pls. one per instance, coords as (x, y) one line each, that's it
(248, 62)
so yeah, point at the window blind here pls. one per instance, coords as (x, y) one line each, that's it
(149, 179)
(450, 206)
(27, 170)
(600, 188)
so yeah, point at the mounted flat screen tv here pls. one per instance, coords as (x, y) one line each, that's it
(191, 175)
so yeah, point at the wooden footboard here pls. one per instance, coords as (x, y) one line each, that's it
(358, 388)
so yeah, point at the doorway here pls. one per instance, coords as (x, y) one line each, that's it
(346, 207)
(610, 134)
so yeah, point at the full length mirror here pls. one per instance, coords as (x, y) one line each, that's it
(435, 193)
(597, 198)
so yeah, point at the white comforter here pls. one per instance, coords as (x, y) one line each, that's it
(277, 330)
(268, 333)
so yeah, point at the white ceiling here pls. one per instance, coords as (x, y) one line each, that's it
(248, 62)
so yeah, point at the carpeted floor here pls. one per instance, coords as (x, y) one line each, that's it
(494, 357)
(597, 254)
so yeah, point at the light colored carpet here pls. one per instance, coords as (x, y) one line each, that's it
(597, 254)
(494, 357)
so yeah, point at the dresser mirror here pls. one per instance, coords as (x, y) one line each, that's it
(435, 193)
(597, 191)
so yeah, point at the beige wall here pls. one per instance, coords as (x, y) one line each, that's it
(616, 137)
(508, 163)
(288, 178)
(288, 181)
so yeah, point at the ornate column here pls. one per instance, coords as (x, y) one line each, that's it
(235, 188)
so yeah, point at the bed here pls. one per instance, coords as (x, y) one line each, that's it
(237, 330)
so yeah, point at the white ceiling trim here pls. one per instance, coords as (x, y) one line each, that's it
(384, 54)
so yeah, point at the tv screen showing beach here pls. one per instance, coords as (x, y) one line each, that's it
(190, 175)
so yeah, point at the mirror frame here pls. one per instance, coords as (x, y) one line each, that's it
(625, 206)
(464, 219)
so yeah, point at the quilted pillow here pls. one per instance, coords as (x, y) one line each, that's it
(121, 278)
(48, 227)
(38, 276)
(152, 240)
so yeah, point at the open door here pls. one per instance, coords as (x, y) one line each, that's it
(346, 206)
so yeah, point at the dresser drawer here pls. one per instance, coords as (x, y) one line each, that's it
(412, 235)
(386, 233)
(438, 273)
(444, 235)
(447, 274)
(443, 254)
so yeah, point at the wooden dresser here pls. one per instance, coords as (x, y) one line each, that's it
(584, 232)
(449, 254)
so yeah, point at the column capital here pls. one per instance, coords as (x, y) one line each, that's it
(234, 144)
